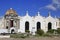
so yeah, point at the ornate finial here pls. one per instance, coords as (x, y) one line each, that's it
(10, 8)
(38, 13)
(49, 14)
(55, 16)
(27, 13)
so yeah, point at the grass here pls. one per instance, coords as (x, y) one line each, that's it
(29, 35)
(19, 35)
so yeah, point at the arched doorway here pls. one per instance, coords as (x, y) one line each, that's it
(38, 25)
(49, 25)
(12, 31)
(26, 26)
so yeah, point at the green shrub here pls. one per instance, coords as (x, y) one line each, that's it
(40, 32)
(27, 31)
(51, 31)
(58, 31)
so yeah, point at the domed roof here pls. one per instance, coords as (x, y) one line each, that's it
(11, 11)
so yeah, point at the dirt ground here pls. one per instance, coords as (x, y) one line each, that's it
(33, 38)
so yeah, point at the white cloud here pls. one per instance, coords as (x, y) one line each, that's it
(55, 5)
(50, 7)
(56, 1)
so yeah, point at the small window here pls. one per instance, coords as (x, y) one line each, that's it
(56, 23)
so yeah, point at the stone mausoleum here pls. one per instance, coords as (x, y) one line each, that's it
(12, 23)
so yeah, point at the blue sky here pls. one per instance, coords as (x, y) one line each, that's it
(32, 6)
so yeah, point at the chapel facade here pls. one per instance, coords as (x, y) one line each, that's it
(12, 23)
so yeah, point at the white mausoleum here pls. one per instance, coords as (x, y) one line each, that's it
(12, 23)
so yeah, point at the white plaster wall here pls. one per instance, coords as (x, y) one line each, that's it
(22, 23)
(33, 23)
(39, 19)
(52, 20)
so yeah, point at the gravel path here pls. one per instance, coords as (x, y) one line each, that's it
(33, 38)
